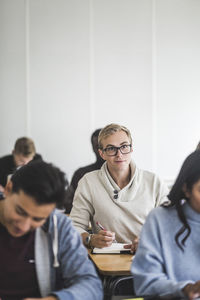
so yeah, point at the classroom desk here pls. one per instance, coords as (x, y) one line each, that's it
(111, 267)
(112, 264)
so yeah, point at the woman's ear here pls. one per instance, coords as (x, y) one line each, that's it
(131, 148)
(101, 153)
(186, 191)
(8, 188)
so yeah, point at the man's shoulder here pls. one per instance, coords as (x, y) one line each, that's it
(6, 159)
(86, 169)
(61, 216)
(37, 157)
(80, 172)
(61, 219)
(60, 222)
(7, 165)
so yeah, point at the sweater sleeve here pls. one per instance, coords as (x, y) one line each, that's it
(82, 211)
(162, 192)
(149, 265)
(78, 275)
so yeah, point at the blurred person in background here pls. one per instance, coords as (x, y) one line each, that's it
(24, 151)
(78, 174)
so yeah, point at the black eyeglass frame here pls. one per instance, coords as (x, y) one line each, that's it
(116, 149)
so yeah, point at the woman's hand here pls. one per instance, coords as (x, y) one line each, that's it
(133, 247)
(1, 190)
(192, 290)
(102, 239)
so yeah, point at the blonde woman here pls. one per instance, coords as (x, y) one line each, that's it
(117, 198)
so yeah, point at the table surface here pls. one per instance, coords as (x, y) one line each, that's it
(122, 297)
(112, 264)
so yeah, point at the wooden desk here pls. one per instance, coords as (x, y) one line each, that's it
(112, 264)
(111, 268)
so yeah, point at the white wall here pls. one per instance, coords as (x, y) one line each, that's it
(178, 88)
(71, 66)
(12, 73)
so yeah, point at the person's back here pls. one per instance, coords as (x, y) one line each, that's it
(78, 174)
(24, 151)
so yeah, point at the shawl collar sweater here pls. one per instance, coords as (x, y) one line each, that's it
(123, 211)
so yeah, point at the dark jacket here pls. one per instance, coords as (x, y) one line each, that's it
(7, 167)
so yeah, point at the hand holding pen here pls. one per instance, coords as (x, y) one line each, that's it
(104, 229)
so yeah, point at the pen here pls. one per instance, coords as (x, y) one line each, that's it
(103, 228)
(100, 226)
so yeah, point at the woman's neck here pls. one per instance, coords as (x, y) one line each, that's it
(122, 177)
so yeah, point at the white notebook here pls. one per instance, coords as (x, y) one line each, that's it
(114, 248)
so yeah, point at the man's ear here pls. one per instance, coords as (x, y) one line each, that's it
(186, 191)
(8, 188)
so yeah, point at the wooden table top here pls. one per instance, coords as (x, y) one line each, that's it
(112, 264)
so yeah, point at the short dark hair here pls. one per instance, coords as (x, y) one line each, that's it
(42, 181)
(189, 174)
(24, 146)
(95, 134)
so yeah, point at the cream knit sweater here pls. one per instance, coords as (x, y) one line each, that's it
(94, 201)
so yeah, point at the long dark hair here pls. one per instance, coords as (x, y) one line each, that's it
(189, 174)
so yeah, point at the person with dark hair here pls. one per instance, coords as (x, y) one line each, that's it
(167, 260)
(78, 174)
(41, 254)
(24, 151)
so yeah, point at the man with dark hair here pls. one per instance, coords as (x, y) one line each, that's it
(24, 151)
(41, 254)
(78, 174)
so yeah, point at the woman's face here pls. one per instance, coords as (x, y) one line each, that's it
(194, 196)
(119, 161)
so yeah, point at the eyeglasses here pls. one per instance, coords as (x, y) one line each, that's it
(112, 150)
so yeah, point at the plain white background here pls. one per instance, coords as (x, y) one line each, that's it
(68, 67)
